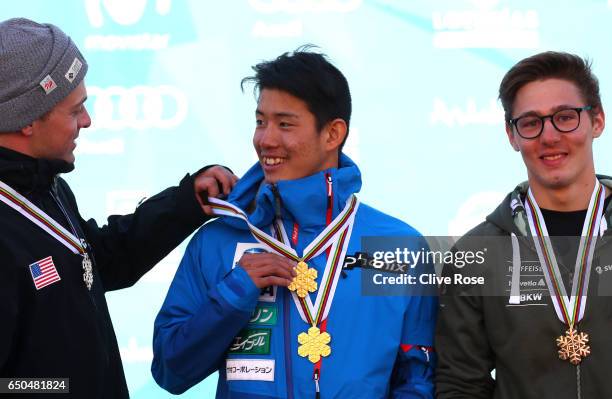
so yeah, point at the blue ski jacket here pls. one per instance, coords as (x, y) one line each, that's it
(214, 318)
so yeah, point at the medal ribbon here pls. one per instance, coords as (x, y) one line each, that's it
(315, 314)
(570, 309)
(22, 205)
(336, 234)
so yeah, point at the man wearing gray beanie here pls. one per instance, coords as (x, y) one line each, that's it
(55, 267)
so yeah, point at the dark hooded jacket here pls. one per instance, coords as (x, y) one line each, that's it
(480, 329)
(64, 329)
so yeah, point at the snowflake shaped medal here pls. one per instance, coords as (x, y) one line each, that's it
(314, 344)
(573, 346)
(304, 282)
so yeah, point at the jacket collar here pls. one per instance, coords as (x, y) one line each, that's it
(26, 174)
(511, 216)
(303, 201)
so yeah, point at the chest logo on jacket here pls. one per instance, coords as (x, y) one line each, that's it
(44, 273)
(602, 269)
(533, 290)
(252, 341)
(267, 294)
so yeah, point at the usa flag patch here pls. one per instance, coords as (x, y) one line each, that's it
(44, 273)
(48, 84)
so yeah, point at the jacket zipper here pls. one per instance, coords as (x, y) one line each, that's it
(316, 375)
(287, 333)
(287, 300)
(286, 309)
(78, 232)
(277, 201)
(602, 241)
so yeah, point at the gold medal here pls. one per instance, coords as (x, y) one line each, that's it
(304, 282)
(573, 346)
(314, 344)
(334, 239)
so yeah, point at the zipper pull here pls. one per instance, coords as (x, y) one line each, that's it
(315, 377)
(330, 200)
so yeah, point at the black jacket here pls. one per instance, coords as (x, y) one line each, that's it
(63, 329)
(479, 330)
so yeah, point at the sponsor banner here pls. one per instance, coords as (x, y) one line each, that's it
(252, 341)
(249, 370)
(265, 314)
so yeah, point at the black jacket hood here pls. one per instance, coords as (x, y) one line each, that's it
(510, 215)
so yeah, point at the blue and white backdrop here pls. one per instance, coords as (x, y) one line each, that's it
(427, 129)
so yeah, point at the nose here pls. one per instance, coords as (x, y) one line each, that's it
(550, 134)
(85, 119)
(266, 137)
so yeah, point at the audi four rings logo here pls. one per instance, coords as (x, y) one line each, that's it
(138, 107)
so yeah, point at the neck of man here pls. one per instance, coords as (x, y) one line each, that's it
(573, 197)
(14, 141)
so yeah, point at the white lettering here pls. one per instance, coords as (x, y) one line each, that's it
(404, 279)
(531, 297)
(430, 279)
(452, 116)
(138, 107)
(468, 280)
(486, 28)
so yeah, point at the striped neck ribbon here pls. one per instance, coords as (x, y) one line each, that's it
(570, 309)
(22, 205)
(336, 235)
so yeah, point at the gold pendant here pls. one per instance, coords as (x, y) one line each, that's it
(314, 344)
(573, 346)
(304, 282)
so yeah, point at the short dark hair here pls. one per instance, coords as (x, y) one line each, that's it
(547, 65)
(310, 77)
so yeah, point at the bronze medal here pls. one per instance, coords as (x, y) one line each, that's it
(573, 346)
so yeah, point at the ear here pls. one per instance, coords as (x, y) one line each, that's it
(335, 132)
(599, 122)
(512, 138)
(27, 130)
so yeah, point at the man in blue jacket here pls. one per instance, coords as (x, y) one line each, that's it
(260, 295)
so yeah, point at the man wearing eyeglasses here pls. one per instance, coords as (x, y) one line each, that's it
(543, 319)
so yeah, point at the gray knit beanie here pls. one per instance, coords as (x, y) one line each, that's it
(39, 67)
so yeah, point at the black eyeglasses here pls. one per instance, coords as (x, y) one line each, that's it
(565, 120)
